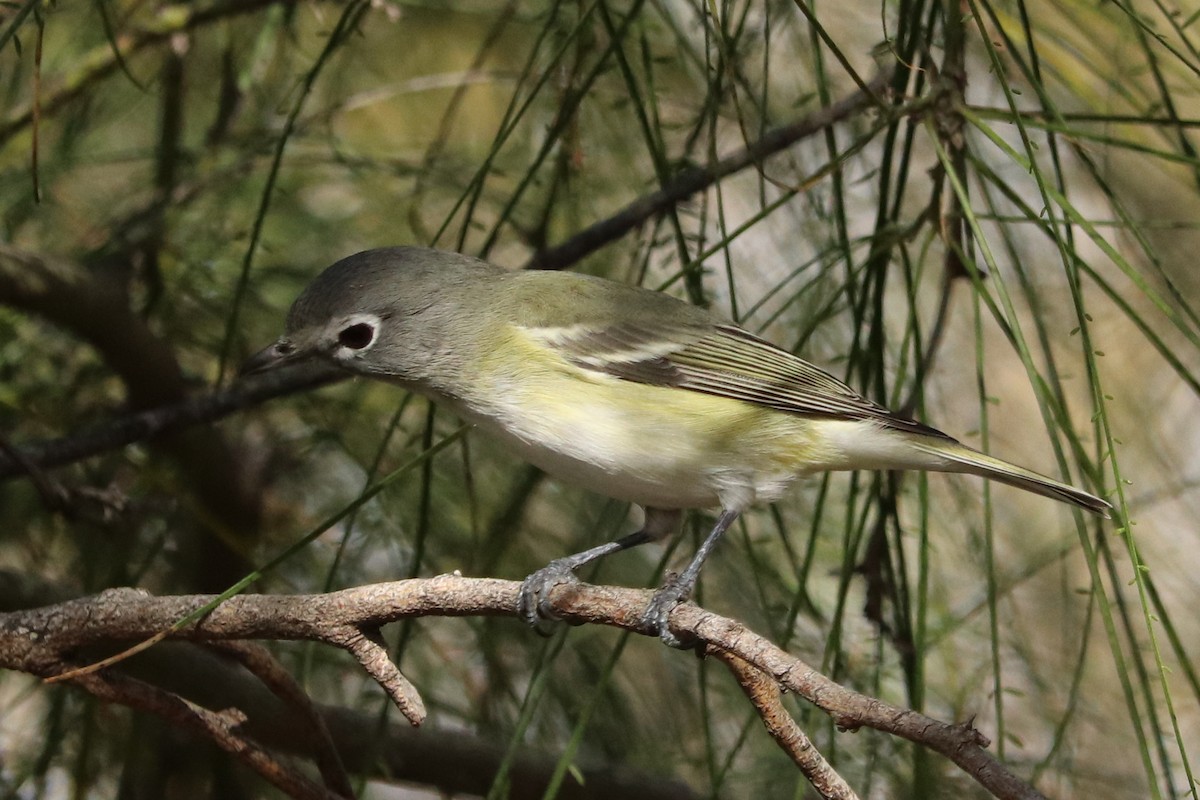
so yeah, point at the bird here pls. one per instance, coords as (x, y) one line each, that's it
(630, 393)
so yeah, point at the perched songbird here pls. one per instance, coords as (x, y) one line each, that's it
(628, 392)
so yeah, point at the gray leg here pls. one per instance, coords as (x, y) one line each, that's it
(679, 588)
(533, 604)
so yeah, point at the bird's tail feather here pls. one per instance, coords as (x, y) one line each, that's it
(960, 458)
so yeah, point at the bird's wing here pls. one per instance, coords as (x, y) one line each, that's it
(721, 360)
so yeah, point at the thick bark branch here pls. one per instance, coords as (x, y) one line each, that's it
(40, 641)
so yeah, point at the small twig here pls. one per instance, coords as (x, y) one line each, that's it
(219, 726)
(937, 335)
(961, 743)
(75, 673)
(54, 494)
(258, 660)
(154, 422)
(765, 695)
(367, 647)
(695, 179)
(108, 58)
(951, 83)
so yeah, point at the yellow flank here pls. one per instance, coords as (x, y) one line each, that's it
(652, 445)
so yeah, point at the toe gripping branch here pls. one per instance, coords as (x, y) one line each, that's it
(534, 604)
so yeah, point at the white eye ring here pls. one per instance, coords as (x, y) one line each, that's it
(358, 333)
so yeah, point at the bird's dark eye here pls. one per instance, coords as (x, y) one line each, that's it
(357, 336)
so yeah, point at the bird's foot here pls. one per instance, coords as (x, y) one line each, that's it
(658, 611)
(533, 602)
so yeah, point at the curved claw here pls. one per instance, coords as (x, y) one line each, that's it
(533, 602)
(658, 611)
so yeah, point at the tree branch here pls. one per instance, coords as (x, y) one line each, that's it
(154, 422)
(95, 307)
(258, 661)
(452, 760)
(695, 179)
(219, 726)
(40, 641)
(107, 58)
(764, 693)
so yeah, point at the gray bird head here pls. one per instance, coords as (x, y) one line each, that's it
(382, 313)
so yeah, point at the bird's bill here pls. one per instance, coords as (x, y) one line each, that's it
(276, 355)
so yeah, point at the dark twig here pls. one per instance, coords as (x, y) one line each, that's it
(695, 179)
(219, 726)
(95, 306)
(951, 84)
(95, 69)
(267, 669)
(933, 345)
(54, 495)
(164, 419)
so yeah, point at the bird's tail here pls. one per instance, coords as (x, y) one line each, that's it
(956, 457)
